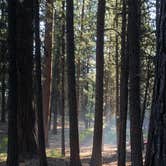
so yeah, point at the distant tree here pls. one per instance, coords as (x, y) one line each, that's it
(73, 117)
(39, 104)
(145, 97)
(12, 154)
(134, 73)
(96, 159)
(47, 65)
(55, 82)
(117, 69)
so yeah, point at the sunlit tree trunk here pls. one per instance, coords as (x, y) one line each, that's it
(117, 72)
(47, 65)
(79, 65)
(144, 104)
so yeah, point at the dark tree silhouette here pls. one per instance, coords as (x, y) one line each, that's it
(3, 55)
(158, 136)
(123, 92)
(26, 113)
(63, 81)
(149, 151)
(96, 159)
(3, 85)
(134, 72)
(12, 158)
(73, 117)
(39, 104)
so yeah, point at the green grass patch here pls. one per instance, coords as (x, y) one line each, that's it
(53, 153)
(3, 144)
(50, 153)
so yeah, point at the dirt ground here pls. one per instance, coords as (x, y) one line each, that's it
(109, 151)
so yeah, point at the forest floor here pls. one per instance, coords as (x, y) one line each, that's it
(54, 149)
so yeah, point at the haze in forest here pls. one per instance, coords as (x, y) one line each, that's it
(82, 82)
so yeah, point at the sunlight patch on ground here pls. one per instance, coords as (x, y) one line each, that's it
(86, 152)
(115, 164)
(3, 157)
(53, 153)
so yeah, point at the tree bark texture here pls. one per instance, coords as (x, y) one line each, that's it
(47, 65)
(96, 159)
(157, 157)
(39, 104)
(134, 72)
(73, 117)
(12, 154)
(123, 91)
(26, 113)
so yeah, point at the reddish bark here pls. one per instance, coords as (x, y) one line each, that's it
(47, 66)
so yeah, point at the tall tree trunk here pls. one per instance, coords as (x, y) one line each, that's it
(158, 145)
(123, 91)
(3, 69)
(151, 131)
(3, 86)
(134, 53)
(26, 114)
(73, 117)
(96, 159)
(55, 91)
(117, 73)
(62, 81)
(146, 94)
(84, 67)
(149, 151)
(39, 104)
(78, 84)
(12, 154)
(47, 66)
(79, 63)
(143, 110)
(54, 88)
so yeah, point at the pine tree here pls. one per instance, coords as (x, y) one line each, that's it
(73, 117)
(96, 159)
(157, 139)
(63, 81)
(123, 91)
(47, 65)
(39, 104)
(26, 113)
(134, 74)
(12, 158)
